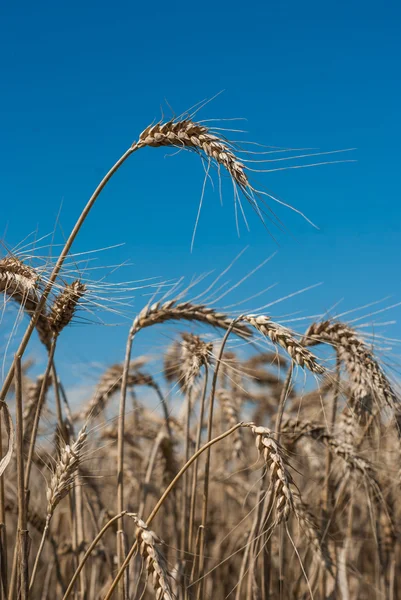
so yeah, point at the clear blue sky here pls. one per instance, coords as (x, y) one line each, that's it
(80, 80)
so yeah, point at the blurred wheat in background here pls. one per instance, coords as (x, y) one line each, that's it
(249, 461)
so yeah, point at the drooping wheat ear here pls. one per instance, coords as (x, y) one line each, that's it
(309, 527)
(184, 359)
(230, 409)
(63, 476)
(65, 305)
(156, 568)
(365, 373)
(193, 136)
(22, 283)
(283, 337)
(352, 460)
(184, 311)
(280, 476)
(30, 406)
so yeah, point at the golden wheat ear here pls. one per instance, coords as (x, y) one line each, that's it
(64, 306)
(21, 283)
(155, 563)
(212, 148)
(365, 373)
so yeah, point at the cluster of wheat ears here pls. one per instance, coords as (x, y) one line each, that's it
(258, 487)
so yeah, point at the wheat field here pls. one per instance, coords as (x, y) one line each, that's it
(254, 461)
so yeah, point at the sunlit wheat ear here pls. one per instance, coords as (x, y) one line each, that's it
(283, 337)
(229, 405)
(63, 477)
(195, 354)
(365, 373)
(280, 476)
(155, 564)
(190, 135)
(21, 283)
(184, 360)
(65, 305)
(173, 310)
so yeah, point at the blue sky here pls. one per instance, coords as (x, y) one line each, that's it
(80, 81)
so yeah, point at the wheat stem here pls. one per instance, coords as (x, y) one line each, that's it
(39, 552)
(205, 498)
(22, 514)
(195, 469)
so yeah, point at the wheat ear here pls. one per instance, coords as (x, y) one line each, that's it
(365, 373)
(156, 568)
(173, 310)
(21, 283)
(279, 474)
(281, 336)
(60, 484)
(193, 136)
(65, 305)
